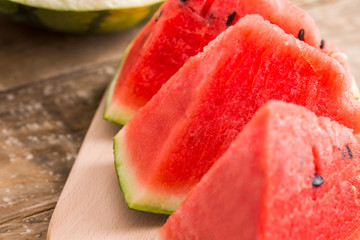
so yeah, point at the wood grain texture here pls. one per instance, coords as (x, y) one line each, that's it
(40, 141)
(50, 87)
(28, 55)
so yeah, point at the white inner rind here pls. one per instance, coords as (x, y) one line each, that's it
(86, 5)
(138, 196)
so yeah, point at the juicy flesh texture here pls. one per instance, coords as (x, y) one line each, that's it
(155, 56)
(282, 13)
(182, 30)
(190, 123)
(261, 188)
(333, 51)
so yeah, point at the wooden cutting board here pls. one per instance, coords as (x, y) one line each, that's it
(91, 205)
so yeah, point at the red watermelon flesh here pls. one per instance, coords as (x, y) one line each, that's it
(268, 185)
(172, 141)
(179, 30)
(333, 51)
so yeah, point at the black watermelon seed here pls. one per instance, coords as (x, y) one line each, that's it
(322, 45)
(349, 152)
(183, 0)
(343, 155)
(301, 35)
(318, 180)
(230, 19)
(158, 16)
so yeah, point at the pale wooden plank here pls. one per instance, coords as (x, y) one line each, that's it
(91, 205)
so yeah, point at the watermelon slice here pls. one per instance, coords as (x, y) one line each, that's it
(172, 141)
(180, 29)
(288, 175)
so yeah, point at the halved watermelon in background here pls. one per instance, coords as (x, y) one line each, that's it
(81, 15)
(179, 30)
(287, 175)
(176, 137)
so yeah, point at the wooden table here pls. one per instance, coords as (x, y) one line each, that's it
(50, 87)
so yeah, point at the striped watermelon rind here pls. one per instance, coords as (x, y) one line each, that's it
(140, 199)
(78, 21)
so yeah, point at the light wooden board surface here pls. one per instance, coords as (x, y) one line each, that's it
(91, 205)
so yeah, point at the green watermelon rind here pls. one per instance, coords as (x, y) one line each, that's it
(151, 203)
(71, 21)
(113, 112)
